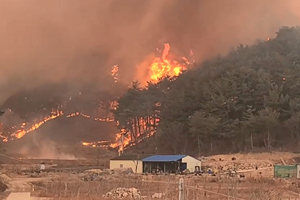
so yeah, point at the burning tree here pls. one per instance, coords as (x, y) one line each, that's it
(264, 77)
(138, 111)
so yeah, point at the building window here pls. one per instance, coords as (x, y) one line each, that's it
(121, 165)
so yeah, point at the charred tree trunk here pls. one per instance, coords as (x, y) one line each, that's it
(265, 141)
(269, 140)
(251, 141)
(135, 124)
(139, 125)
(199, 145)
(211, 145)
(297, 132)
(131, 130)
(185, 143)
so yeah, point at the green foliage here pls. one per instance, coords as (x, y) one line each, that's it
(203, 125)
(252, 94)
(262, 123)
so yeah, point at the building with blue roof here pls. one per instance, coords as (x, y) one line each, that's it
(163, 158)
(170, 163)
(154, 163)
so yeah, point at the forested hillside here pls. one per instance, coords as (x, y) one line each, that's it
(247, 100)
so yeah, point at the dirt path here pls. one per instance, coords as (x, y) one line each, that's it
(20, 188)
(19, 196)
(23, 184)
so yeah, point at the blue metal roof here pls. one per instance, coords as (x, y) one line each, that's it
(163, 158)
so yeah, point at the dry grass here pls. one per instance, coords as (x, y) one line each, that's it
(71, 187)
(257, 156)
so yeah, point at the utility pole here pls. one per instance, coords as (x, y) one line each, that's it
(98, 155)
(122, 140)
(181, 189)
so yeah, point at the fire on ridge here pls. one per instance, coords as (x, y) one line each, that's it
(164, 66)
(54, 114)
(160, 67)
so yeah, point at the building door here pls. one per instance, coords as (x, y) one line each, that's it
(183, 166)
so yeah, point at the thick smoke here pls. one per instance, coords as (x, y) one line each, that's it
(53, 41)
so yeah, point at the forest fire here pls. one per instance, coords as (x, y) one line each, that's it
(24, 129)
(89, 117)
(122, 142)
(160, 67)
(114, 72)
(163, 66)
(20, 133)
(103, 144)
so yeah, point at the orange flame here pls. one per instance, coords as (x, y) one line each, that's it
(55, 114)
(88, 117)
(124, 140)
(102, 144)
(159, 68)
(21, 133)
(114, 72)
(162, 66)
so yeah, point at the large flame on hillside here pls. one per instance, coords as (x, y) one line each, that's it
(22, 132)
(163, 66)
(160, 67)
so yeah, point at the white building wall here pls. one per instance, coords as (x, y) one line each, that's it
(298, 171)
(191, 163)
(113, 164)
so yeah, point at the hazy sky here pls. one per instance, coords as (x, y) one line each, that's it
(47, 40)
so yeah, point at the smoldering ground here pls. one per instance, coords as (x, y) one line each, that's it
(59, 138)
(53, 41)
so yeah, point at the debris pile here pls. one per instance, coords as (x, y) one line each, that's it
(93, 177)
(94, 171)
(118, 171)
(223, 165)
(122, 193)
(3, 186)
(100, 175)
(157, 195)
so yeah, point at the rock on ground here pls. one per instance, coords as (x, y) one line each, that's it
(94, 171)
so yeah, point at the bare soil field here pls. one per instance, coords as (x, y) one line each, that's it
(80, 182)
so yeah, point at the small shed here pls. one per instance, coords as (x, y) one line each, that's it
(285, 171)
(128, 161)
(170, 163)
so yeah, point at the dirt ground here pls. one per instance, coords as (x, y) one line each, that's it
(76, 182)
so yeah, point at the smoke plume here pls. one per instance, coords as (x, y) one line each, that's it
(44, 150)
(54, 41)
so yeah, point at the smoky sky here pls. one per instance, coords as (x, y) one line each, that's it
(52, 41)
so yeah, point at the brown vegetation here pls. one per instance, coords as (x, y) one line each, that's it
(195, 187)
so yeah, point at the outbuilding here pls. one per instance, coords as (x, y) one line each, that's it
(128, 161)
(170, 163)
